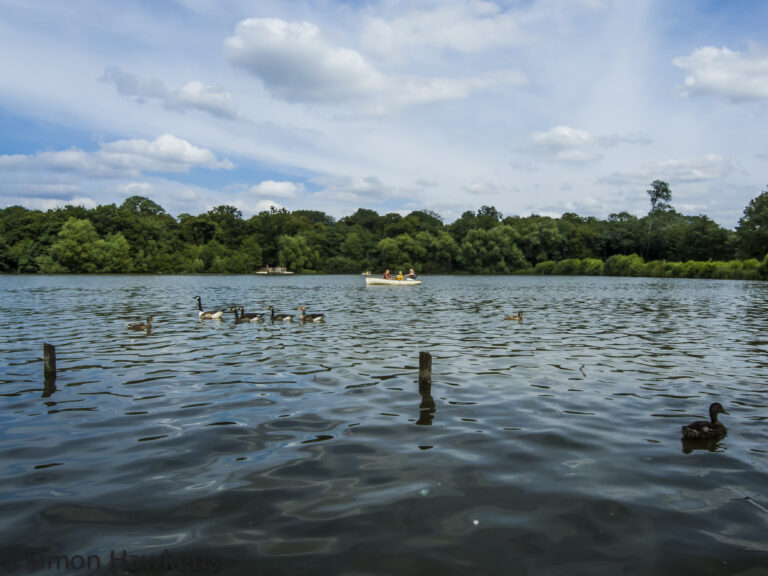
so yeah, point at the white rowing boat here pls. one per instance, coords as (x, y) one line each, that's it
(372, 281)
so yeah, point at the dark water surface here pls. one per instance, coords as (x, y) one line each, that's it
(553, 446)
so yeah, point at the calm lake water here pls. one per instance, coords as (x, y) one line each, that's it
(547, 447)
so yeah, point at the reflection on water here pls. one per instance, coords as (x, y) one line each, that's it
(548, 446)
(427, 406)
(709, 444)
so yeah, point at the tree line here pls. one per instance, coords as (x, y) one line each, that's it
(139, 236)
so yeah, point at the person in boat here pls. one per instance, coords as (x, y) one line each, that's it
(400, 275)
(386, 274)
(411, 275)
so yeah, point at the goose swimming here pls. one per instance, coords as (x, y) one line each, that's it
(202, 314)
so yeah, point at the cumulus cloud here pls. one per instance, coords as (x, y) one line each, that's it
(724, 72)
(355, 190)
(562, 144)
(295, 63)
(166, 153)
(486, 188)
(575, 146)
(687, 170)
(274, 189)
(193, 95)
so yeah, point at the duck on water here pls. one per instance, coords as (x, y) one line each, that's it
(207, 315)
(241, 319)
(253, 316)
(310, 317)
(141, 325)
(706, 429)
(279, 317)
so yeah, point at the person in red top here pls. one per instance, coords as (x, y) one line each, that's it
(386, 273)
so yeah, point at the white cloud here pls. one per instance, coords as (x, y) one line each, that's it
(249, 207)
(687, 170)
(561, 137)
(135, 189)
(355, 190)
(277, 189)
(484, 188)
(464, 27)
(735, 75)
(562, 144)
(575, 146)
(196, 95)
(212, 99)
(295, 63)
(166, 153)
(710, 167)
(600, 69)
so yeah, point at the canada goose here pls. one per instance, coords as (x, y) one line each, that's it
(280, 317)
(518, 317)
(238, 319)
(206, 315)
(707, 428)
(310, 317)
(250, 315)
(141, 325)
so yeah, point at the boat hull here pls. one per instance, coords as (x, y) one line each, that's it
(371, 281)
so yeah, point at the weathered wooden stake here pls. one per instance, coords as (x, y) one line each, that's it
(425, 369)
(49, 385)
(49, 359)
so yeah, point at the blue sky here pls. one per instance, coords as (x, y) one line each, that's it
(537, 106)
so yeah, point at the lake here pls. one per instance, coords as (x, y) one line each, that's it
(550, 446)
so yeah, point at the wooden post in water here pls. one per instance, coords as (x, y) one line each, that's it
(425, 369)
(49, 359)
(49, 370)
(427, 406)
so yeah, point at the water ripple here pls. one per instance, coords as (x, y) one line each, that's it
(279, 445)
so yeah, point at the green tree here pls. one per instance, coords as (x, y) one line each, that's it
(22, 256)
(444, 252)
(75, 248)
(704, 239)
(491, 251)
(113, 254)
(660, 196)
(295, 254)
(752, 230)
(251, 254)
(228, 224)
(352, 247)
(389, 253)
(196, 229)
(488, 217)
(622, 234)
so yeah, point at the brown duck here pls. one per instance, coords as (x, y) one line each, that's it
(141, 325)
(707, 428)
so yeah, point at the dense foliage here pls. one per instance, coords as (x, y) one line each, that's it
(139, 236)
